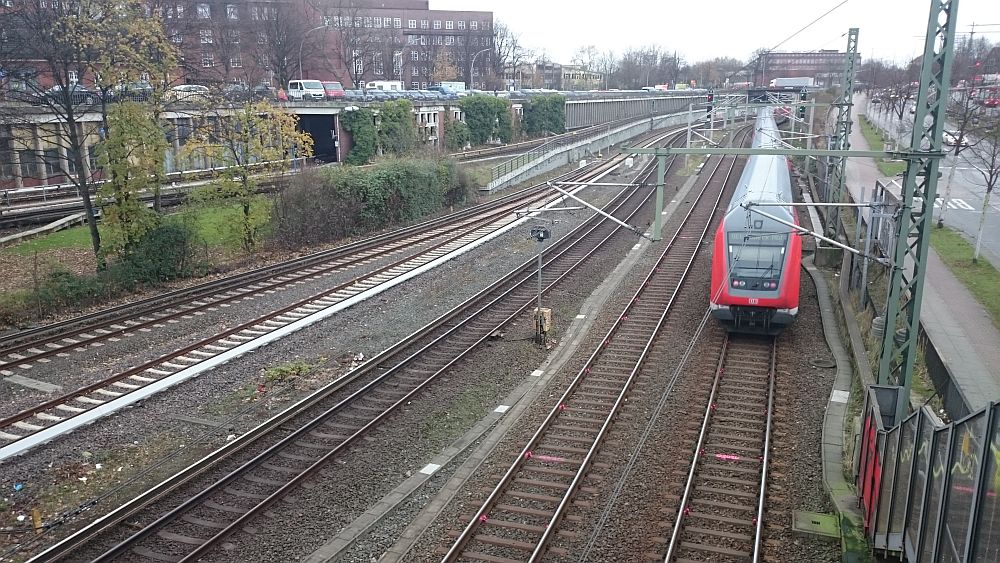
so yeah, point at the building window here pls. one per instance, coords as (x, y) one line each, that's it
(397, 64)
(261, 38)
(412, 39)
(412, 24)
(235, 62)
(8, 3)
(204, 11)
(415, 71)
(473, 25)
(459, 40)
(414, 56)
(424, 56)
(424, 24)
(449, 25)
(206, 36)
(423, 39)
(368, 22)
(327, 21)
(254, 13)
(207, 61)
(359, 63)
(232, 12)
(414, 85)
(176, 37)
(397, 23)
(461, 24)
(29, 163)
(377, 63)
(378, 21)
(449, 39)
(180, 11)
(73, 76)
(439, 40)
(437, 24)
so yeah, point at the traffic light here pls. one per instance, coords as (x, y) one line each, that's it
(711, 100)
(802, 109)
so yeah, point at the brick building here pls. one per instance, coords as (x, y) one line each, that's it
(352, 41)
(826, 66)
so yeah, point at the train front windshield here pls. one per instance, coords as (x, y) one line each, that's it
(756, 255)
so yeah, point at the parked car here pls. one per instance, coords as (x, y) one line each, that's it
(188, 94)
(264, 92)
(355, 96)
(236, 92)
(334, 90)
(951, 139)
(306, 90)
(77, 93)
(139, 91)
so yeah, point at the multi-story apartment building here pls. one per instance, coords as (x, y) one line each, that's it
(352, 41)
(400, 40)
(553, 76)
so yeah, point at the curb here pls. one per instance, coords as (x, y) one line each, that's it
(853, 544)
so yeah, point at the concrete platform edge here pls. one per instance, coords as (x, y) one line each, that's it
(842, 494)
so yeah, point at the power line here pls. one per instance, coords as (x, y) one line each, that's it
(785, 40)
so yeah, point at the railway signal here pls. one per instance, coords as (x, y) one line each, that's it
(711, 99)
(802, 108)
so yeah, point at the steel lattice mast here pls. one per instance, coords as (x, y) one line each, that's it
(842, 137)
(899, 344)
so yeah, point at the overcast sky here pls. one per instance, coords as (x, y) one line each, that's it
(704, 29)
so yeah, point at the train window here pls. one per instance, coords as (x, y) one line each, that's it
(756, 255)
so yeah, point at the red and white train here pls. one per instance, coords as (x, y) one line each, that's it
(756, 260)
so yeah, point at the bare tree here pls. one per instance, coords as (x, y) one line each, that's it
(508, 52)
(278, 35)
(962, 113)
(585, 57)
(355, 46)
(69, 43)
(607, 63)
(985, 158)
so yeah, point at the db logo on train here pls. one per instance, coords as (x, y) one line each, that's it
(753, 301)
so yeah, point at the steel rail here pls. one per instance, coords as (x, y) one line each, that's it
(447, 336)
(482, 514)
(710, 410)
(89, 532)
(265, 272)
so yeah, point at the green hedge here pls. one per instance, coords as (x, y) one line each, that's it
(545, 114)
(331, 204)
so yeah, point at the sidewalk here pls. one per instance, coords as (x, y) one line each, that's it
(957, 325)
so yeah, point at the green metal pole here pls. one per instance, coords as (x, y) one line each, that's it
(899, 344)
(843, 133)
(661, 172)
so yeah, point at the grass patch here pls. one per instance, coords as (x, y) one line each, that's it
(876, 141)
(73, 237)
(449, 423)
(481, 175)
(982, 278)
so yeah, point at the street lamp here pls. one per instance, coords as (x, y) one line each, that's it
(303, 41)
(472, 67)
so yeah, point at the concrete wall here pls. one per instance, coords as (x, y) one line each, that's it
(587, 148)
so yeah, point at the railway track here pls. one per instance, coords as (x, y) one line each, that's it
(18, 342)
(287, 450)
(58, 415)
(520, 517)
(721, 513)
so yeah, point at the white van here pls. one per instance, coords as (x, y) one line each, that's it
(386, 85)
(306, 90)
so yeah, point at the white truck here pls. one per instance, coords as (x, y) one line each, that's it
(794, 82)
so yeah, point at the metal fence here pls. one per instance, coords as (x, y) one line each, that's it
(929, 491)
